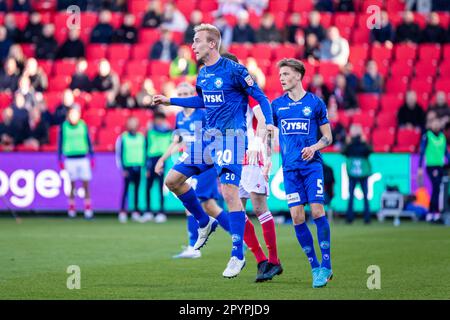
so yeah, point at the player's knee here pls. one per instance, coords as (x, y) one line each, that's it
(171, 183)
(298, 219)
(317, 212)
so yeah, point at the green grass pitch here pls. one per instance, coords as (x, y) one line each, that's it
(134, 261)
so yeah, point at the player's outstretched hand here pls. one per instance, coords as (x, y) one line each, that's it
(308, 153)
(266, 170)
(160, 99)
(159, 167)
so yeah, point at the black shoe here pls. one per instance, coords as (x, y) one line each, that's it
(272, 270)
(262, 267)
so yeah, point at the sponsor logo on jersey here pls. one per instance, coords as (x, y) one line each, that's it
(218, 83)
(249, 80)
(284, 108)
(213, 98)
(307, 111)
(293, 197)
(295, 126)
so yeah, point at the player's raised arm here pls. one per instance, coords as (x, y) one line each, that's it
(189, 102)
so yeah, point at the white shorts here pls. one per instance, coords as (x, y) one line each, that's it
(252, 180)
(78, 169)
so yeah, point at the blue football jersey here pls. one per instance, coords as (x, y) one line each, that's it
(224, 88)
(189, 126)
(299, 123)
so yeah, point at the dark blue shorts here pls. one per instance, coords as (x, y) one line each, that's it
(304, 185)
(205, 185)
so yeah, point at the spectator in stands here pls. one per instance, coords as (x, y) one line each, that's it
(315, 26)
(318, 87)
(103, 31)
(312, 48)
(441, 5)
(173, 19)
(73, 47)
(351, 78)
(385, 33)
(91, 5)
(357, 151)
(268, 32)
(38, 134)
(127, 33)
(324, 5)
(230, 7)
(152, 17)
(115, 5)
(196, 19)
(372, 81)
(256, 72)
(225, 30)
(20, 119)
(345, 6)
(144, 98)
(433, 32)
(124, 98)
(408, 30)
(183, 64)
(256, 6)
(5, 44)
(33, 30)
(9, 76)
(164, 49)
(21, 6)
(243, 31)
(17, 54)
(61, 111)
(80, 80)
(293, 27)
(106, 81)
(3, 6)
(411, 114)
(14, 34)
(337, 128)
(335, 48)
(27, 91)
(440, 107)
(344, 94)
(7, 130)
(421, 6)
(47, 47)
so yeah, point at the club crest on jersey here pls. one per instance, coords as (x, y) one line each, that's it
(307, 111)
(218, 83)
(249, 80)
(213, 98)
(295, 126)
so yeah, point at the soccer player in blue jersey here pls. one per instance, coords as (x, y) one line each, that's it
(205, 184)
(301, 117)
(223, 87)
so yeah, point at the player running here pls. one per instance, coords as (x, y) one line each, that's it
(300, 116)
(205, 184)
(223, 87)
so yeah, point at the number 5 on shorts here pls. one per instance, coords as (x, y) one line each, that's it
(319, 186)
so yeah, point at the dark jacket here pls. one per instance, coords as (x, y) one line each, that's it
(126, 34)
(433, 34)
(81, 82)
(102, 33)
(32, 33)
(46, 48)
(383, 34)
(319, 31)
(71, 49)
(415, 116)
(405, 32)
(157, 49)
(271, 34)
(243, 34)
(151, 20)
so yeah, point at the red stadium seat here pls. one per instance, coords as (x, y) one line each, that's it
(65, 67)
(359, 53)
(423, 99)
(21, 19)
(383, 139)
(107, 137)
(367, 3)
(46, 65)
(88, 19)
(429, 52)
(53, 133)
(144, 116)
(386, 120)
(444, 19)
(186, 7)
(136, 68)
(381, 53)
(424, 68)
(159, 68)
(5, 99)
(420, 19)
(422, 84)
(137, 6)
(273, 83)
(364, 119)
(98, 100)
(444, 69)
(52, 100)
(446, 52)
(117, 66)
(58, 83)
(405, 51)
(344, 118)
(302, 6)
(402, 68)
(118, 51)
(368, 101)
(407, 139)
(344, 19)
(140, 51)
(116, 19)
(94, 117)
(96, 51)
(261, 51)
(241, 51)
(395, 18)
(442, 84)
(278, 6)
(326, 19)
(396, 84)
(328, 69)
(207, 5)
(28, 49)
(395, 6)
(49, 148)
(361, 36)
(391, 102)
(26, 148)
(285, 51)
(149, 35)
(116, 117)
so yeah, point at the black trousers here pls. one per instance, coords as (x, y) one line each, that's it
(435, 174)
(151, 177)
(364, 186)
(133, 177)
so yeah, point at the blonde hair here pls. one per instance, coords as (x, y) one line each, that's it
(295, 64)
(213, 34)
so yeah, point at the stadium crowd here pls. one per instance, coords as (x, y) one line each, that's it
(393, 79)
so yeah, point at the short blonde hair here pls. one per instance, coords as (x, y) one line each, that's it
(295, 64)
(213, 33)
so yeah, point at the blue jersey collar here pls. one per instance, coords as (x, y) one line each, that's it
(287, 95)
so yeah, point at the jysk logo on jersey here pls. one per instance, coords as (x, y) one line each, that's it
(218, 83)
(213, 98)
(295, 126)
